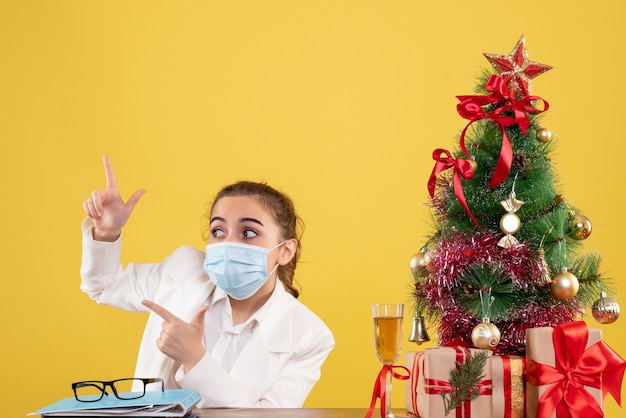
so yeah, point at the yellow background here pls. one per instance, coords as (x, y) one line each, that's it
(338, 102)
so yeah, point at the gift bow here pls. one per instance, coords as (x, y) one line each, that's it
(462, 168)
(380, 387)
(471, 107)
(598, 366)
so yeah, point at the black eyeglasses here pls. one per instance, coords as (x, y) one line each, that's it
(94, 390)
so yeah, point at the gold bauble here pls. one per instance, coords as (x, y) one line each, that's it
(605, 310)
(485, 336)
(580, 227)
(544, 135)
(510, 223)
(419, 263)
(474, 164)
(564, 285)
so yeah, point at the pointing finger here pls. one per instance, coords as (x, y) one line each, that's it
(159, 310)
(110, 175)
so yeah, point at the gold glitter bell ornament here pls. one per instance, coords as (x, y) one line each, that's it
(486, 335)
(545, 279)
(605, 310)
(544, 135)
(419, 263)
(580, 227)
(564, 285)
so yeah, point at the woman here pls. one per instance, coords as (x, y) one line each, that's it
(225, 322)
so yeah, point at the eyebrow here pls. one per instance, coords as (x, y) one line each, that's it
(219, 218)
(256, 221)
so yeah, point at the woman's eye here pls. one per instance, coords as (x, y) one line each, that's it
(248, 233)
(217, 233)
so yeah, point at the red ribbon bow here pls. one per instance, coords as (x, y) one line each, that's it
(598, 366)
(471, 107)
(380, 388)
(462, 168)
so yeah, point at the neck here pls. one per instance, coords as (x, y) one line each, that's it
(244, 309)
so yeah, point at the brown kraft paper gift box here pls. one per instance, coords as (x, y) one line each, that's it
(540, 348)
(430, 373)
(507, 374)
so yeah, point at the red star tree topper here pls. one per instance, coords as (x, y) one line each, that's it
(516, 69)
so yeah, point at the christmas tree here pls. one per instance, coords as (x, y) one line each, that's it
(506, 251)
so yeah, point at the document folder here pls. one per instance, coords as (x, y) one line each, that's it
(171, 403)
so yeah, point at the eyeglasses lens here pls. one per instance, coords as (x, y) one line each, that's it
(124, 388)
(89, 391)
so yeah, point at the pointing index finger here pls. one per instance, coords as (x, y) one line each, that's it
(110, 175)
(159, 310)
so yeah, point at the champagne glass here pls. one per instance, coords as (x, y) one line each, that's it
(388, 341)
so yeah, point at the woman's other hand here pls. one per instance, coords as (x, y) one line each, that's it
(107, 209)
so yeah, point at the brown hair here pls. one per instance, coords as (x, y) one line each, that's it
(284, 212)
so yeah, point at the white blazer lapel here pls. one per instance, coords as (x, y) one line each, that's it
(191, 299)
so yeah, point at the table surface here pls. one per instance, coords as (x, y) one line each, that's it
(303, 412)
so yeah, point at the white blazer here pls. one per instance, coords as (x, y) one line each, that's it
(277, 368)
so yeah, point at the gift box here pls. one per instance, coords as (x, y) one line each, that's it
(429, 388)
(569, 369)
(509, 386)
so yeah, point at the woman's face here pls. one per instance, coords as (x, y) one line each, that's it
(244, 219)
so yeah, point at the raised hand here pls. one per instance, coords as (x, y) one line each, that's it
(180, 340)
(107, 209)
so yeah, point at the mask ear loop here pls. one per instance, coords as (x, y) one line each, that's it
(273, 248)
(274, 269)
(278, 245)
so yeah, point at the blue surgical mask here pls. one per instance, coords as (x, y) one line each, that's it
(238, 269)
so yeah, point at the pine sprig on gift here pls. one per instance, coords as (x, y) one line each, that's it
(464, 379)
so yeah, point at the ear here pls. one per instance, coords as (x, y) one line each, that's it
(287, 251)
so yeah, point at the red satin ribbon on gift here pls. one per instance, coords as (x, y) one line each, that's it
(415, 373)
(471, 107)
(380, 388)
(462, 168)
(437, 387)
(575, 367)
(508, 388)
